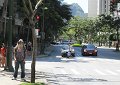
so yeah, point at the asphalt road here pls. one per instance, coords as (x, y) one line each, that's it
(81, 70)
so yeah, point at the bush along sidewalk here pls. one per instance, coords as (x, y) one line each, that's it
(33, 83)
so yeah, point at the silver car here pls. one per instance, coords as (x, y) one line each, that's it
(67, 51)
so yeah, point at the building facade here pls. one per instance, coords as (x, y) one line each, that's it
(98, 7)
(92, 8)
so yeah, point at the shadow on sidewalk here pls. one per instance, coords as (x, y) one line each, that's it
(40, 77)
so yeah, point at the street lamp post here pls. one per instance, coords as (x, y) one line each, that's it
(42, 30)
(43, 27)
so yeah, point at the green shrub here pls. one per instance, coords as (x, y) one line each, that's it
(76, 45)
(32, 83)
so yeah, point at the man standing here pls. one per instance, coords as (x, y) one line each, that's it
(19, 58)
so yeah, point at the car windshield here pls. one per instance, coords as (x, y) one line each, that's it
(67, 47)
(90, 46)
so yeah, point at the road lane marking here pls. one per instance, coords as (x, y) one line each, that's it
(111, 72)
(74, 71)
(99, 72)
(58, 56)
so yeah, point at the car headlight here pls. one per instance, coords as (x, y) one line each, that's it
(95, 50)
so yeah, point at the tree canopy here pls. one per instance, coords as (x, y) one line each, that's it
(53, 15)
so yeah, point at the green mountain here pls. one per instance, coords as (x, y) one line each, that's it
(77, 10)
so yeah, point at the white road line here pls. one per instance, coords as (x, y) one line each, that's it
(74, 71)
(99, 72)
(111, 72)
(58, 56)
(63, 71)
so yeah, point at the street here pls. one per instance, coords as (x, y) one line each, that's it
(50, 24)
(81, 70)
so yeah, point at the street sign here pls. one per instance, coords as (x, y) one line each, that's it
(37, 32)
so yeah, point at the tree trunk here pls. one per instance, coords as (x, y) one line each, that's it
(117, 44)
(34, 53)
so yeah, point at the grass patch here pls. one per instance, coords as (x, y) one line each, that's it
(32, 83)
(76, 45)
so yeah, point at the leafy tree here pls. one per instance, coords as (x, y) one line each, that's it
(55, 17)
(83, 29)
(112, 37)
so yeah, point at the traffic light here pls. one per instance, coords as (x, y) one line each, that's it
(37, 17)
(37, 24)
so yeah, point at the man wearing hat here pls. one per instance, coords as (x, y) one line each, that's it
(19, 58)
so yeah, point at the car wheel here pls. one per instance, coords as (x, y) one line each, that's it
(63, 55)
(95, 54)
(83, 54)
(73, 55)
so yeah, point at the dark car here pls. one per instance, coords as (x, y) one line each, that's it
(89, 49)
(55, 43)
(66, 50)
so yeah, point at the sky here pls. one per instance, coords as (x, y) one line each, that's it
(82, 3)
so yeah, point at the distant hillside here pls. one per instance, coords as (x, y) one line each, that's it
(77, 10)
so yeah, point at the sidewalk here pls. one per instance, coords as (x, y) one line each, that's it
(106, 47)
(6, 77)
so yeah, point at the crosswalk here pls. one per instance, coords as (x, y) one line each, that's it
(104, 72)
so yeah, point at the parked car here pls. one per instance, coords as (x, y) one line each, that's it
(89, 49)
(67, 51)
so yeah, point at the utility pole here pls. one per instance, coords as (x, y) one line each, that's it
(9, 66)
